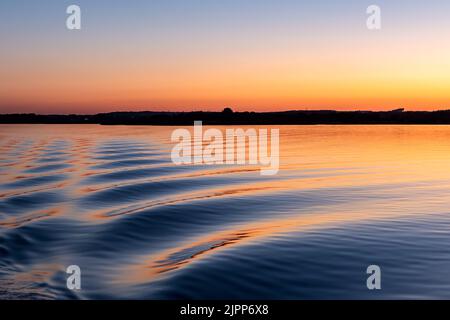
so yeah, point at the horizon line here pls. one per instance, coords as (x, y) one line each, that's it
(221, 111)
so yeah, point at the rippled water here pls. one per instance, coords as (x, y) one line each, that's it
(110, 200)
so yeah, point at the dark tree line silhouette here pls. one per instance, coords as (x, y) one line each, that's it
(228, 117)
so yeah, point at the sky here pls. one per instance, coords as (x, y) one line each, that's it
(254, 55)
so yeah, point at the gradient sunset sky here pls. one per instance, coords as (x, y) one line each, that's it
(208, 54)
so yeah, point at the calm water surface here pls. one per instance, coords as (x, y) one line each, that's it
(109, 200)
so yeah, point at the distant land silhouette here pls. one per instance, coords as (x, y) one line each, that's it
(228, 117)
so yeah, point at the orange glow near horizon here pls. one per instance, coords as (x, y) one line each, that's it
(269, 87)
(342, 81)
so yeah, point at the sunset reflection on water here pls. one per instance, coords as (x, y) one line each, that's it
(109, 199)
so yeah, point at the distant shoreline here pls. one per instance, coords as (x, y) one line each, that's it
(228, 117)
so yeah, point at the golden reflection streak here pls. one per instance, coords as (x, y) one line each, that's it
(15, 222)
